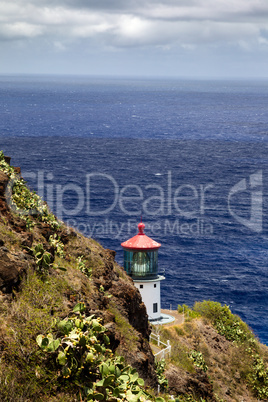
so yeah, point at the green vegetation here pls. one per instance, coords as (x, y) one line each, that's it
(188, 398)
(180, 353)
(58, 246)
(259, 377)
(226, 323)
(187, 311)
(125, 329)
(23, 374)
(10, 238)
(83, 267)
(218, 345)
(81, 353)
(44, 259)
(235, 330)
(23, 201)
(73, 359)
(198, 360)
(160, 372)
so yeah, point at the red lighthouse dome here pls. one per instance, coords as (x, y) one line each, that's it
(141, 241)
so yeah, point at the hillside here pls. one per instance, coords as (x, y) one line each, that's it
(68, 311)
(216, 356)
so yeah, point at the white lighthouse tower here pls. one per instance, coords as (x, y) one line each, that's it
(141, 263)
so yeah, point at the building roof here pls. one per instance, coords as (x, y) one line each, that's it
(141, 241)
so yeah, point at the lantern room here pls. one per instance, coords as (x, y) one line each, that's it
(141, 255)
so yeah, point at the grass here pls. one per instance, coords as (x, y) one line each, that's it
(240, 363)
(130, 336)
(180, 353)
(10, 238)
(32, 312)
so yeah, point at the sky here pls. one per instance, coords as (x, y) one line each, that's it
(157, 38)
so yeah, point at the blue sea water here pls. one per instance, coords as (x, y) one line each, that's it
(189, 156)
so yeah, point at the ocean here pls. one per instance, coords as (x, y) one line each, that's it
(188, 156)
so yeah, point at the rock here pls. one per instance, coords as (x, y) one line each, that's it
(17, 170)
(181, 382)
(7, 159)
(4, 208)
(111, 254)
(177, 380)
(66, 234)
(3, 184)
(12, 267)
(27, 240)
(45, 230)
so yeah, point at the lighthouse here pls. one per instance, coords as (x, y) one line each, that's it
(141, 264)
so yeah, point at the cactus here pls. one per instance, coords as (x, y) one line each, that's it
(81, 265)
(47, 343)
(42, 258)
(83, 358)
(198, 360)
(54, 241)
(160, 372)
(24, 202)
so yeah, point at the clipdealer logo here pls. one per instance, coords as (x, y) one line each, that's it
(187, 200)
(183, 209)
(108, 228)
(255, 185)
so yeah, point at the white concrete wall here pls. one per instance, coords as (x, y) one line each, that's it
(150, 295)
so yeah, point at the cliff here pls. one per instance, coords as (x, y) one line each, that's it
(90, 275)
(47, 269)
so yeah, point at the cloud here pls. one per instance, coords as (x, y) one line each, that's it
(208, 10)
(146, 26)
(135, 23)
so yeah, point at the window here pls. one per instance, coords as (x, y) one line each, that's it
(128, 255)
(155, 285)
(141, 286)
(141, 264)
(155, 308)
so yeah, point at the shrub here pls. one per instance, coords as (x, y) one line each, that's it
(209, 309)
(82, 266)
(234, 329)
(259, 378)
(187, 311)
(81, 353)
(55, 242)
(198, 360)
(44, 260)
(23, 201)
(226, 323)
(160, 369)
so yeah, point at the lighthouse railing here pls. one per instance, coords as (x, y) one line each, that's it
(163, 352)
